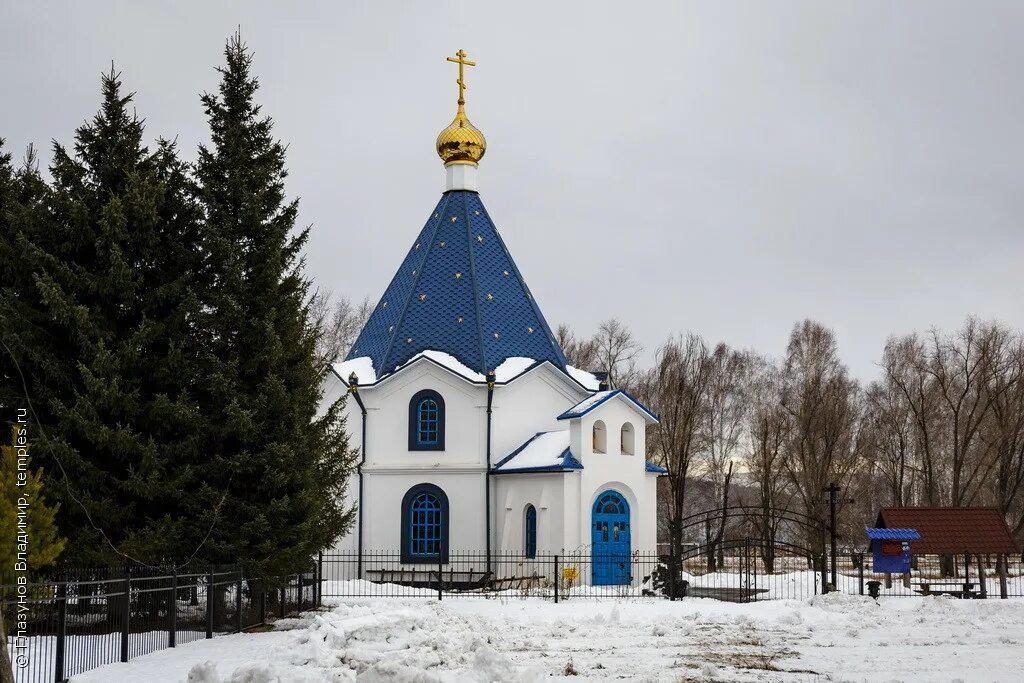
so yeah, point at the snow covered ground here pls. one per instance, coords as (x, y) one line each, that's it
(834, 637)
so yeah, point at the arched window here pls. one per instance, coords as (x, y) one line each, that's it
(626, 443)
(426, 421)
(530, 532)
(424, 525)
(600, 437)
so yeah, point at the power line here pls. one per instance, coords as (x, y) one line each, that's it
(67, 480)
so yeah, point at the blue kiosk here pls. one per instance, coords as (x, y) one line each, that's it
(890, 553)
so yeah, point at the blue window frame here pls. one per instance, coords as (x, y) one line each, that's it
(530, 532)
(426, 421)
(424, 525)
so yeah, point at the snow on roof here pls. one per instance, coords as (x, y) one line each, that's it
(363, 367)
(544, 452)
(585, 378)
(512, 368)
(593, 401)
(507, 371)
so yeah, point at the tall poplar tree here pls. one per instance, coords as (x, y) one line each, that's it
(282, 463)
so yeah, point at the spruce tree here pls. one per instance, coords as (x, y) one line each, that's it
(44, 543)
(102, 332)
(22, 219)
(282, 462)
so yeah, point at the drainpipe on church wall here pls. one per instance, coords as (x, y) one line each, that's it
(487, 476)
(353, 388)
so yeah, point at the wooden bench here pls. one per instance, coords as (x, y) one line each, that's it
(958, 589)
(453, 580)
(427, 578)
(516, 582)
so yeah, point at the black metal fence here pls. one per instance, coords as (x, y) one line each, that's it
(571, 576)
(739, 571)
(970, 576)
(77, 622)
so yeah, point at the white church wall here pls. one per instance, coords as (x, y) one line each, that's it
(614, 470)
(388, 425)
(528, 405)
(512, 493)
(383, 522)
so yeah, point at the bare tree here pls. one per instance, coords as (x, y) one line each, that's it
(892, 437)
(339, 321)
(677, 389)
(1004, 433)
(580, 353)
(824, 411)
(906, 373)
(768, 428)
(723, 428)
(617, 351)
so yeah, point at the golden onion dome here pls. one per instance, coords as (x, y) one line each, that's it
(461, 142)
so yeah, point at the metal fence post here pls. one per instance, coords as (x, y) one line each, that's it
(209, 604)
(126, 613)
(320, 579)
(860, 573)
(172, 609)
(824, 573)
(556, 579)
(672, 571)
(439, 572)
(62, 628)
(238, 602)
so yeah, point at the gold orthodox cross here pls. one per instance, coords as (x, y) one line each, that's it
(460, 59)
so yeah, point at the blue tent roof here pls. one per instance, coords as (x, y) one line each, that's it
(458, 291)
(892, 534)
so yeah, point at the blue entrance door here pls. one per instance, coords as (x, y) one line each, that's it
(609, 540)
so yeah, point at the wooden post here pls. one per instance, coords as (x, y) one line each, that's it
(981, 577)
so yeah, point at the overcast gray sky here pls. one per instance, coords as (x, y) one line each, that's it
(721, 167)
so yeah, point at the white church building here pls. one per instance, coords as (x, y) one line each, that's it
(473, 432)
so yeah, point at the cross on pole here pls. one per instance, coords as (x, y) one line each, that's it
(460, 59)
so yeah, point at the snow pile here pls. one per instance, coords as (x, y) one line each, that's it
(365, 643)
(831, 637)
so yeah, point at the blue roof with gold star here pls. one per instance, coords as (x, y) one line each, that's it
(457, 291)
